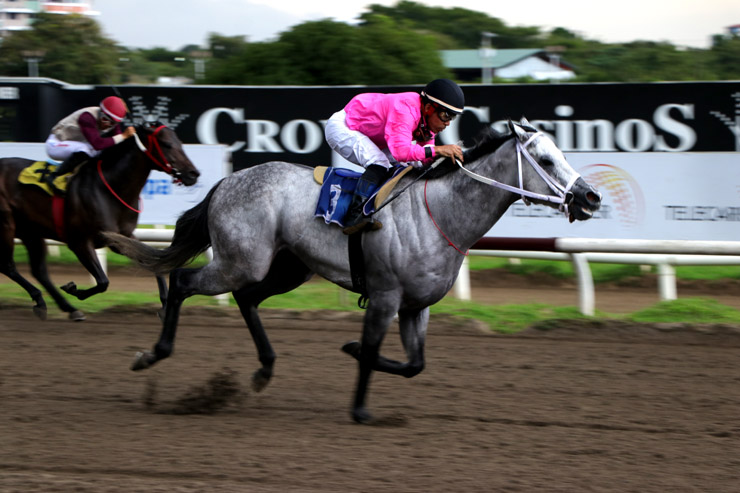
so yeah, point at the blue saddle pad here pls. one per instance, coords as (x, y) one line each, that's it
(337, 191)
(336, 195)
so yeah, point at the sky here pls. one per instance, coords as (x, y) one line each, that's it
(175, 23)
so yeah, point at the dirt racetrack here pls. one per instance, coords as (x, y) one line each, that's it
(579, 407)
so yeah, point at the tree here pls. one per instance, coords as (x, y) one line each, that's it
(725, 57)
(327, 52)
(73, 46)
(462, 26)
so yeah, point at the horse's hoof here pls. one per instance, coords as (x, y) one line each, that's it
(361, 415)
(69, 288)
(352, 348)
(77, 316)
(143, 360)
(260, 379)
(40, 312)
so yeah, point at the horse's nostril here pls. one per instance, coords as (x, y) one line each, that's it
(593, 197)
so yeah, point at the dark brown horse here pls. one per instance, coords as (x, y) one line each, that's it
(103, 196)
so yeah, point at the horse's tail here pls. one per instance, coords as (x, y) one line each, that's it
(190, 239)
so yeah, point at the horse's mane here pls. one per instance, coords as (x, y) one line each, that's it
(486, 142)
(116, 152)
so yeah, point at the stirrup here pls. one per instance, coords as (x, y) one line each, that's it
(364, 224)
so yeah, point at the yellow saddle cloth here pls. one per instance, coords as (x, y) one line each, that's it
(32, 176)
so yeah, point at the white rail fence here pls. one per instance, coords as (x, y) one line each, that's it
(664, 254)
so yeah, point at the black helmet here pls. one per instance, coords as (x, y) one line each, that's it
(445, 93)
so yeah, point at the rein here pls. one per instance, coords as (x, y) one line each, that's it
(563, 194)
(160, 160)
(110, 189)
(449, 241)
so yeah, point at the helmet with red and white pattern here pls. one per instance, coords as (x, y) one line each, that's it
(114, 108)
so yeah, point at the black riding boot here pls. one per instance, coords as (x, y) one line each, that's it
(67, 166)
(355, 221)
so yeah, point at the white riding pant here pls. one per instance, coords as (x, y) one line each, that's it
(60, 150)
(354, 146)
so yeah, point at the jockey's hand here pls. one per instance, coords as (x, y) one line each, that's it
(450, 150)
(129, 132)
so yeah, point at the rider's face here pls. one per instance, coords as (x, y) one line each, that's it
(105, 123)
(437, 120)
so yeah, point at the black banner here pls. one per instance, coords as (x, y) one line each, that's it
(261, 124)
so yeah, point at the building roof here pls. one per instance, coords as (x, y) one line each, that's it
(472, 59)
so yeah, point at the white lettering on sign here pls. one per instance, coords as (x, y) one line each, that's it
(668, 130)
(9, 93)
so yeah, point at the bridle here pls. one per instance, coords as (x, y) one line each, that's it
(563, 195)
(159, 159)
(153, 147)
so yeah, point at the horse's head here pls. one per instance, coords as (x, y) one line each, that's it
(545, 172)
(166, 153)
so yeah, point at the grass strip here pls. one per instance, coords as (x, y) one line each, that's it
(322, 295)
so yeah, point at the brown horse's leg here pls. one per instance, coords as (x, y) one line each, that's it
(88, 258)
(37, 259)
(8, 267)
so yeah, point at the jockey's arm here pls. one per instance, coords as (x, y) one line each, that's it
(89, 128)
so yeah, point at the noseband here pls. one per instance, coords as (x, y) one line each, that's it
(563, 196)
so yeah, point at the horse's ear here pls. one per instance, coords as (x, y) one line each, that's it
(524, 122)
(511, 125)
(518, 130)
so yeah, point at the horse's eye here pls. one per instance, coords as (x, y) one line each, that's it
(546, 162)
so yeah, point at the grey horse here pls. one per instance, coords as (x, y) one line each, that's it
(266, 241)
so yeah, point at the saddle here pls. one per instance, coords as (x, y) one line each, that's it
(34, 174)
(338, 186)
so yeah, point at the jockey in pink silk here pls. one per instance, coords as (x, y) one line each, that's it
(378, 131)
(84, 134)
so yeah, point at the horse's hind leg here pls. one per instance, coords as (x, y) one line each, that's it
(286, 273)
(179, 291)
(37, 259)
(8, 267)
(162, 287)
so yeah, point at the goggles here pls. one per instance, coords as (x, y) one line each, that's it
(445, 115)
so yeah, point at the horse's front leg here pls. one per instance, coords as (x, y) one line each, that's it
(378, 317)
(413, 326)
(88, 258)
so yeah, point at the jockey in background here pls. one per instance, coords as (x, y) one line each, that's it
(378, 131)
(84, 134)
